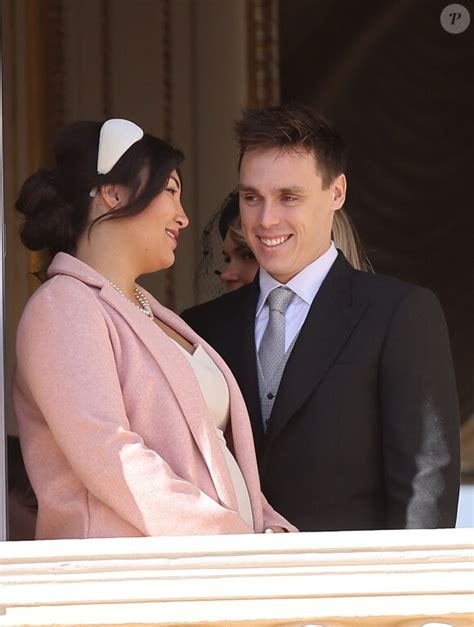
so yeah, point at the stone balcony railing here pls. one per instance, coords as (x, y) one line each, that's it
(378, 578)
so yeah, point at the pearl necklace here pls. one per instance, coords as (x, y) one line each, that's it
(144, 305)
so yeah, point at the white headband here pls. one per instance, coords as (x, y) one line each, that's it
(116, 137)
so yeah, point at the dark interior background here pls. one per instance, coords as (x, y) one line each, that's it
(401, 90)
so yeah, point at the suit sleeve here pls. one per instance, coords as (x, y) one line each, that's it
(420, 414)
(66, 365)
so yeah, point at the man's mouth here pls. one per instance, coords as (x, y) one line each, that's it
(271, 242)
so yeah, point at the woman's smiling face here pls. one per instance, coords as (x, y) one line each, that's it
(156, 229)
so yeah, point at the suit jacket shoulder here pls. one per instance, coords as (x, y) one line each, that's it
(380, 287)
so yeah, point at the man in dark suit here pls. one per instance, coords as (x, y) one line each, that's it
(347, 375)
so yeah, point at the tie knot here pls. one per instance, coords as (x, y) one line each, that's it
(279, 299)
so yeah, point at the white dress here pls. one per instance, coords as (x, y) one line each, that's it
(216, 395)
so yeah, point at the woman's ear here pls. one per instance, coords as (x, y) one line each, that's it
(114, 195)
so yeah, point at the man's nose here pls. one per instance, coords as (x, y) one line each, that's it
(269, 215)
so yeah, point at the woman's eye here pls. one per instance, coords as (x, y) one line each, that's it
(247, 255)
(172, 190)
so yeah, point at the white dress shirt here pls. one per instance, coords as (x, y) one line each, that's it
(305, 285)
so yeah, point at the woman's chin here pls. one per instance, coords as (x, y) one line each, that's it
(160, 264)
(167, 263)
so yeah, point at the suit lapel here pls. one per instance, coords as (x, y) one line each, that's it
(330, 321)
(239, 350)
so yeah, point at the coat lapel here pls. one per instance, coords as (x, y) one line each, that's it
(330, 321)
(239, 422)
(181, 378)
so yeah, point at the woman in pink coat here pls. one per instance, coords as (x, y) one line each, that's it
(131, 425)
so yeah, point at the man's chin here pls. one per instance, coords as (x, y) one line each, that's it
(280, 274)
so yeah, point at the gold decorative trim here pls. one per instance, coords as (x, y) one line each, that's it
(35, 114)
(13, 73)
(106, 64)
(262, 53)
(45, 72)
(53, 75)
(34, 71)
(167, 70)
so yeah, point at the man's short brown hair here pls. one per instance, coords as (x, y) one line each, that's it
(293, 127)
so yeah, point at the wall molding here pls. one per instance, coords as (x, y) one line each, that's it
(263, 65)
(381, 578)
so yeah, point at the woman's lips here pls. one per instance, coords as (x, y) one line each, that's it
(173, 234)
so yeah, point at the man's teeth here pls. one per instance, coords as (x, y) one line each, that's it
(170, 234)
(275, 241)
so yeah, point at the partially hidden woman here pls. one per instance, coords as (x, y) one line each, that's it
(130, 424)
(240, 265)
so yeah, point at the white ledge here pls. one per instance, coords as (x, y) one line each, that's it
(408, 578)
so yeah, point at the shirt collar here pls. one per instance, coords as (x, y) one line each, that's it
(305, 284)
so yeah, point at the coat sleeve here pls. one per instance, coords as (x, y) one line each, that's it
(420, 416)
(66, 366)
(271, 517)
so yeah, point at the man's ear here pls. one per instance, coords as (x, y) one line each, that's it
(114, 195)
(339, 188)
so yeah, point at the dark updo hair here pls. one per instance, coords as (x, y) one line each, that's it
(56, 204)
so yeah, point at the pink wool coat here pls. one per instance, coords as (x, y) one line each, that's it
(115, 432)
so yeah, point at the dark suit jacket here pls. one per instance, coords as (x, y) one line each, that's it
(364, 432)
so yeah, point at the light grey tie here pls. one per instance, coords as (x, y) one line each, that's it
(272, 346)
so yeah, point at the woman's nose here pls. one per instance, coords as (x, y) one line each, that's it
(228, 274)
(182, 219)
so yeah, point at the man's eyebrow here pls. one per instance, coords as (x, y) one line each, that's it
(247, 188)
(293, 189)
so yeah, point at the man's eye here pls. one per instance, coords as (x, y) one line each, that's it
(288, 198)
(250, 198)
(226, 259)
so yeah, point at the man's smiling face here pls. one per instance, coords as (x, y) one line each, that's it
(286, 213)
